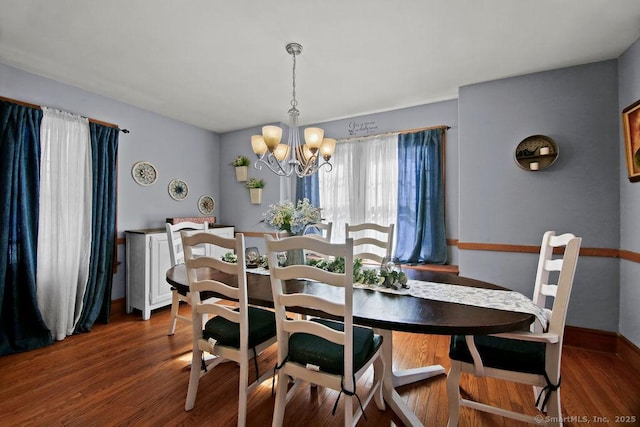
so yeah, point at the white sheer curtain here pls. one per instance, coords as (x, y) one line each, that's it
(363, 185)
(64, 230)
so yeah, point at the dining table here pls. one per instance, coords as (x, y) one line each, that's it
(387, 312)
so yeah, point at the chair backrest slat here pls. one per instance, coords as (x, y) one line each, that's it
(368, 237)
(176, 252)
(324, 228)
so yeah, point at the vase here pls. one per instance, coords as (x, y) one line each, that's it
(241, 173)
(295, 257)
(256, 196)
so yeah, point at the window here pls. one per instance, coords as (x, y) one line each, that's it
(363, 185)
(366, 185)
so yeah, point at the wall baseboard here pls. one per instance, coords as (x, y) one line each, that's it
(118, 306)
(629, 352)
(591, 339)
(609, 342)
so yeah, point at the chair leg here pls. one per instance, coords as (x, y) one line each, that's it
(453, 393)
(536, 393)
(281, 400)
(348, 411)
(194, 379)
(378, 378)
(554, 409)
(175, 303)
(242, 396)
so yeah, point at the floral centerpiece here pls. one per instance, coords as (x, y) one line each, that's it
(291, 219)
(285, 216)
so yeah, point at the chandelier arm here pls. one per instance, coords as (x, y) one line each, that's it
(300, 155)
(273, 164)
(304, 169)
(282, 169)
(308, 168)
(327, 164)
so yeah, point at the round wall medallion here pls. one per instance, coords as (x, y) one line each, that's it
(144, 173)
(206, 205)
(178, 189)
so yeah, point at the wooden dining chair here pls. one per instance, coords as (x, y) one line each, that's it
(176, 255)
(237, 333)
(321, 351)
(529, 357)
(367, 235)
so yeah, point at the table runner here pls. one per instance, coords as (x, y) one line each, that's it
(258, 270)
(479, 297)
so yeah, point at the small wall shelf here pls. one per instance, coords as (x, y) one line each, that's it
(536, 152)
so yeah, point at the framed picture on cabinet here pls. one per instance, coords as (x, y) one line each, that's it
(631, 124)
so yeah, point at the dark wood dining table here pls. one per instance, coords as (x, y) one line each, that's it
(389, 312)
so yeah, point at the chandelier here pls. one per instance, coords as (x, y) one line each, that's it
(285, 159)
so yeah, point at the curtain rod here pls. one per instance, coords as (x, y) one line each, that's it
(398, 132)
(99, 122)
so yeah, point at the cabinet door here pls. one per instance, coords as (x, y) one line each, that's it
(160, 291)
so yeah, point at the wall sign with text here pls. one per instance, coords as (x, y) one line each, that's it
(356, 128)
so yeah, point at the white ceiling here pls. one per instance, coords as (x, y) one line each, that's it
(222, 65)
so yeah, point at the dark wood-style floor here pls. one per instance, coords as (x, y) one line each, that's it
(131, 373)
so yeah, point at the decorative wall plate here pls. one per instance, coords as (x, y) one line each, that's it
(206, 205)
(178, 189)
(144, 173)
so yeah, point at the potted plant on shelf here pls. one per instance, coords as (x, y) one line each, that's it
(255, 187)
(241, 164)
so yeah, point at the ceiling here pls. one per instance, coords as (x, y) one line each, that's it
(222, 65)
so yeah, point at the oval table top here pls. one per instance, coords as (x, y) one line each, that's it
(386, 310)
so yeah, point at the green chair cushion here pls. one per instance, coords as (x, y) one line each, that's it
(262, 326)
(328, 356)
(502, 353)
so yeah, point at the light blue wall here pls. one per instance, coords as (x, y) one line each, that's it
(501, 203)
(628, 93)
(246, 217)
(176, 149)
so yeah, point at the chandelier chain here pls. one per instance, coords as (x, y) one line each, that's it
(294, 102)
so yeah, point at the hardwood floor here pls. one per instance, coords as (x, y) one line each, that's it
(131, 373)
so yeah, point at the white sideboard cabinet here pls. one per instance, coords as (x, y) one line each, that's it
(147, 264)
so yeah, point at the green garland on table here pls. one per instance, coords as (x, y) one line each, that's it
(233, 258)
(365, 276)
(230, 257)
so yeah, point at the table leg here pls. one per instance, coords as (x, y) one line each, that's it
(395, 379)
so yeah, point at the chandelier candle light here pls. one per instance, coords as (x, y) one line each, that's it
(285, 159)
